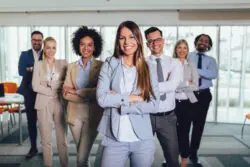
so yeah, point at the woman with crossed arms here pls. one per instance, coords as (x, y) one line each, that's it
(47, 81)
(128, 91)
(79, 89)
(184, 99)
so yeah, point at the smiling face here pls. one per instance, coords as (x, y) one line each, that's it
(87, 47)
(36, 42)
(155, 43)
(202, 44)
(50, 49)
(182, 51)
(127, 42)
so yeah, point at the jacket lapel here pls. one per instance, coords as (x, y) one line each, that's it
(115, 83)
(75, 72)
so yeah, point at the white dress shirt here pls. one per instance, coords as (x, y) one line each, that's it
(36, 55)
(128, 79)
(173, 76)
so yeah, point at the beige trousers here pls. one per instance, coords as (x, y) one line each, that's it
(84, 133)
(53, 115)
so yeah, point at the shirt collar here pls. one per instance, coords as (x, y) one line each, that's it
(79, 62)
(203, 54)
(38, 53)
(153, 57)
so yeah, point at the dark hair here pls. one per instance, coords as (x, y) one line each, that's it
(143, 83)
(82, 32)
(37, 32)
(209, 38)
(150, 30)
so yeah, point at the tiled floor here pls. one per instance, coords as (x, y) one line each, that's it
(221, 146)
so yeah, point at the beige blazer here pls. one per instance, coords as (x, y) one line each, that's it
(75, 102)
(44, 94)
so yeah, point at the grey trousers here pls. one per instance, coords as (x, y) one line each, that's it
(140, 153)
(166, 131)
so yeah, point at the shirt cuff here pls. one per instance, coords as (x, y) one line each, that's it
(125, 100)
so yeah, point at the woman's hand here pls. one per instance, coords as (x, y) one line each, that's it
(68, 89)
(44, 83)
(135, 98)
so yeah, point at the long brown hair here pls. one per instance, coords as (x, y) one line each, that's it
(142, 68)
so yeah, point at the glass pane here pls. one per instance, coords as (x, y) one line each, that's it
(108, 35)
(14, 40)
(230, 69)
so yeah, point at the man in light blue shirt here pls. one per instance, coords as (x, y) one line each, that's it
(207, 70)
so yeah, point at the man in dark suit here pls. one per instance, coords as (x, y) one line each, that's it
(25, 68)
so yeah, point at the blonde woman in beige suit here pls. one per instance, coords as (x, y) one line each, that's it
(47, 81)
(83, 113)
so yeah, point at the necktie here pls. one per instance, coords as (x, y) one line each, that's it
(199, 66)
(160, 76)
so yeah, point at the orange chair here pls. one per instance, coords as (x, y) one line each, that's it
(247, 116)
(11, 87)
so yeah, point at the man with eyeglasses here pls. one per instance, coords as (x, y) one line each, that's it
(169, 73)
(207, 70)
(25, 68)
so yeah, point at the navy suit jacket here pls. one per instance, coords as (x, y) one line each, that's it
(26, 60)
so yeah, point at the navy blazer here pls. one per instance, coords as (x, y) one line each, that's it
(26, 60)
(109, 79)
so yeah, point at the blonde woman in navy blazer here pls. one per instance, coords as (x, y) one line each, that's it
(128, 91)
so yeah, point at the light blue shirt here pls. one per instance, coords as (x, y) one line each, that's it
(209, 69)
(83, 75)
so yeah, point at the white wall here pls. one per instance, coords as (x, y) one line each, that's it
(114, 18)
(83, 5)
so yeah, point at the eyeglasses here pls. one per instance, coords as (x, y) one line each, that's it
(157, 40)
(36, 40)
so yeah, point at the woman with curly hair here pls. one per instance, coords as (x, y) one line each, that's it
(79, 89)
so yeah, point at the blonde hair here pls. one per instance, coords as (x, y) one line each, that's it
(177, 44)
(44, 61)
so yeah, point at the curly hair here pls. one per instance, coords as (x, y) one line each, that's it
(82, 32)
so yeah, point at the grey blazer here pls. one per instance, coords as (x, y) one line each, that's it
(190, 74)
(109, 79)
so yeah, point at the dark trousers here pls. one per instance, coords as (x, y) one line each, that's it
(165, 129)
(201, 108)
(184, 112)
(31, 113)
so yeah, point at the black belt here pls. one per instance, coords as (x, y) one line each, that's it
(202, 90)
(162, 113)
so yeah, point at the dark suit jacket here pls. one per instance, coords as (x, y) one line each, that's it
(26, 60)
